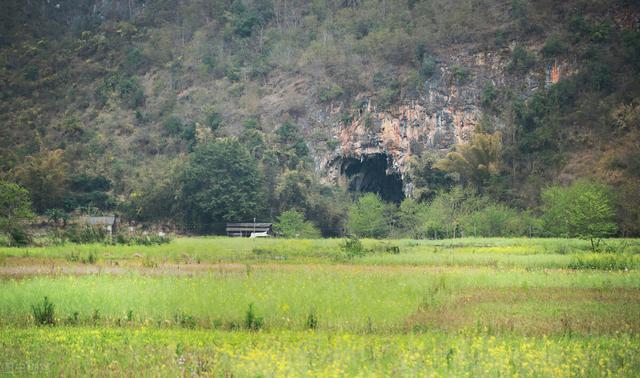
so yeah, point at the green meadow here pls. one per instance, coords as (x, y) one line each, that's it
(279, 307)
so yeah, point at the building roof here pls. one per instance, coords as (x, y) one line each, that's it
(248, 227)
(98, 221)
(249, 224)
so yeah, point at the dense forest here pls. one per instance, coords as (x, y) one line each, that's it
(193, 113)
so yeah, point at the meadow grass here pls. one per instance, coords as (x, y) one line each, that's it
(349, 298)
(508, 252)
(274, 307)
(154, 352)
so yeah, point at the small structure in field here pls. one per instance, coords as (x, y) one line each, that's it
(109, 222)
(249, 229)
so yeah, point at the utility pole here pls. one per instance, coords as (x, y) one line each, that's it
(254, 225)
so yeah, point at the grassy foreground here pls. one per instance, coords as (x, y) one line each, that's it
(104, 351)
(238, 307)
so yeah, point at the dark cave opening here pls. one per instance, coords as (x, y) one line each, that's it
(370, 175)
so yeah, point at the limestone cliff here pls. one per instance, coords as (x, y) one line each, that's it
(445, 113)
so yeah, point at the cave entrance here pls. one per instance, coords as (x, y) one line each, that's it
(370, 175)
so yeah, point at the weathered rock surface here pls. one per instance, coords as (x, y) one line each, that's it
(445, 113)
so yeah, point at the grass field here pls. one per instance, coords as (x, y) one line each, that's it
(241, 307)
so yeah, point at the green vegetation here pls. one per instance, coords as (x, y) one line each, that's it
(581, 210)
(291, 224)
(44, 314)
(15, 209)
(109, 108)
(220, 183)
(526, 306)
(175, 352)
(368, 217)
(476, 162)
(181, 116)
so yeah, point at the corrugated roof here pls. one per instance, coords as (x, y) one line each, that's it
(247, 229)
(267, 225)
(95, 221)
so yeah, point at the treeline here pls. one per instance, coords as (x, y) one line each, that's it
(186, 113)
(222, 181)
(583, 209)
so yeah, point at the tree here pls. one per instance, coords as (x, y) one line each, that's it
(293, 149)
(15, 208)
(368, 217)
(475, 162)
(497, 220)
(328, 208)
(293, 189)
(153, 194)
(428, 181)
(584, 210)
(446, 213)
(291, 224)
(45, 176)
(410, 217)
(219, 184)
(15, 205)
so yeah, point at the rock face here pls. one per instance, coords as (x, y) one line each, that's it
(445, 113)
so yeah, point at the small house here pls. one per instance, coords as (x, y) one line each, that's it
(108, 222)
(247, 229)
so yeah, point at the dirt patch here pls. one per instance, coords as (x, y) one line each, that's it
(535, 311)
(24, 267)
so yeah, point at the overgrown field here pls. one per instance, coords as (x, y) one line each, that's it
(241, 307)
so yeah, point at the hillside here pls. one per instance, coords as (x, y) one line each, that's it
(105, 104)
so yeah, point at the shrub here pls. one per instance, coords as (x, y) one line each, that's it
(130, 92)
(392, 249)
(353, 247)
(553, 47)
(330, 93)
(185, 320)
(43, 313)
(428, 67)
(19, 237)
(85, 234)
(251, 320)
(584, 210)
(608, 261)
(213, 121)
(409, 218)
(312, 320)
(597, 75)
(368, 217)
(90, 259)
(600, 31)
(149, 262)
(390, 94)
(73, 319)
(232, 73)
(496, 220)
(521, 60)
(460, 74)
(488, 96)
(172, 125)
(142, 239)
(134, 60)
(291, 224)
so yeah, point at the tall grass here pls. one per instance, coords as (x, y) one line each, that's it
(345, 298)
(507, 252)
